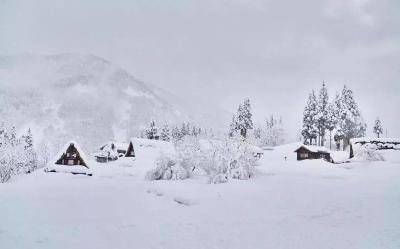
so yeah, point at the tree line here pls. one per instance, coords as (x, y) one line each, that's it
(176, 133)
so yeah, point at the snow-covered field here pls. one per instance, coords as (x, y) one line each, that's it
(289, 204)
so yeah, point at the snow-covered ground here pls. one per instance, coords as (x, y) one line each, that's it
(289, 204)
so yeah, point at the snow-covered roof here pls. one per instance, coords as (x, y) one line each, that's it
(118, 145)
(374, 139)
(64, 149)
(163, 146)
(314, 148)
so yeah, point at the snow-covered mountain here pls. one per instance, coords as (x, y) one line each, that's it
(81, 97)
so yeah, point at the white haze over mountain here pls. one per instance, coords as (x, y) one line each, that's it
(81, 97)
(216, 53)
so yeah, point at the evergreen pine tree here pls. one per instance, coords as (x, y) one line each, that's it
(351, 123)
(309, 130)
(378, 130)
(13, 137)
(165, 133)
(176, 134)
(322, 114)
(244, 118)
(152, 132)
(233, 127)
(331, 122)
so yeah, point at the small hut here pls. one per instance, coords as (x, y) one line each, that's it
(71, 155)
(313, 152)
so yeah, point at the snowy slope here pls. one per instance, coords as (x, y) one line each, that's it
(289, 204)
(80, 97)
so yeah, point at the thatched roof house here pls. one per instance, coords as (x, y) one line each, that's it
(71, 155)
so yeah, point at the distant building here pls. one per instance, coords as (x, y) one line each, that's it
(313, 152)
(111, 151)
(71, 155)
(373, 144)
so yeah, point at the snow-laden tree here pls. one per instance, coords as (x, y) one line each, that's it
(242, 121)
(176, 134)
(231, 158)
(152, 131)
(310, 129)
(165, 133)
(322, 114)
(378, 130)
(17, 155)
(350, 122)
(233, 126)
(331, 121)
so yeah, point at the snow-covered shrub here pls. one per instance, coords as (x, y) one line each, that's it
(221, 160)
(231, 158)
(189, 154)
(366, 153)
(167, 169)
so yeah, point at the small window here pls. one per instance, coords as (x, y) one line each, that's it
(70, 162)
(303, 155)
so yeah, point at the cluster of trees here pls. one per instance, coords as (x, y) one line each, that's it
(17, 154)
(176, 133)
(340, 117)
(271, 133)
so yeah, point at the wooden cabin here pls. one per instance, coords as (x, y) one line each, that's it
(71, 155)
(305, 152)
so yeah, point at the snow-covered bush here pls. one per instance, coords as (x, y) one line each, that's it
(221, 160)
(189, 154)
(367, 153)
(167, 169)
(230, 158)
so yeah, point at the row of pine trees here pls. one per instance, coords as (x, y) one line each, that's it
(176, 133)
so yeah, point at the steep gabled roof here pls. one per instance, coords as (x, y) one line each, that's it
(64, 150)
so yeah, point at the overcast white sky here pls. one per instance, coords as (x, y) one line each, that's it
(218, 52)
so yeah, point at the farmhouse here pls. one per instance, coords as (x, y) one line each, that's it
(71, 155)
(111, 151)
(313, 152)
(374, 144)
